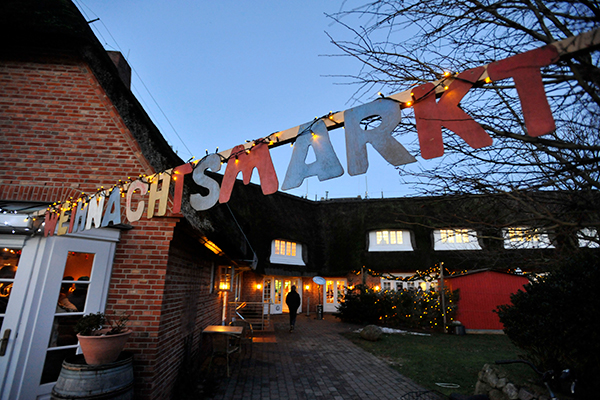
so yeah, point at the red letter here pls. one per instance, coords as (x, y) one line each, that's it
(431, 116)
(50, 219)
(525, 70)
(245, 162)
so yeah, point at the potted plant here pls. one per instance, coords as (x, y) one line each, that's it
(102, 338)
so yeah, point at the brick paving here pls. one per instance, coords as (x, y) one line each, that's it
(313, 362)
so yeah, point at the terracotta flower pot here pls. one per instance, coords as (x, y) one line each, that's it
(98, 350)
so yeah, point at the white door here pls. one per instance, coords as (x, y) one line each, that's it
(39, 331)
(335, 290)
(276, 289)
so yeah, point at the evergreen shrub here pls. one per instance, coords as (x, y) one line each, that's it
(404, 309)
(555, 321)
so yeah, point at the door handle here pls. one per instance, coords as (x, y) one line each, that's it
(4, 342)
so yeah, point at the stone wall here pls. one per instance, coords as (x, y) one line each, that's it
(494, 382)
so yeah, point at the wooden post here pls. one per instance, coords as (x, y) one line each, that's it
(442, 296)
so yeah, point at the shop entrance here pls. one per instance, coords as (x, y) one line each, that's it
(275, 290)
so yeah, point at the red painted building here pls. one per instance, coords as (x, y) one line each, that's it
(481, 292)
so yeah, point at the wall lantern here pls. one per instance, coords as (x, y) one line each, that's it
(225, 278)
(307, 287)
(258, 286)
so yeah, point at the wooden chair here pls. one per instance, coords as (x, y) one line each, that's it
(247, 334)
(224, 345)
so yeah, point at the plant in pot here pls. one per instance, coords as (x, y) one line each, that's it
(102, 338)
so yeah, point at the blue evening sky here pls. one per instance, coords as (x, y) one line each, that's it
(217, 73)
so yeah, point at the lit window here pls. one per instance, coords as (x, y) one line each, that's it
(398, 284)
(455, 239)
(588, 237)
(390, 240)
(286, 252)
(526, 238)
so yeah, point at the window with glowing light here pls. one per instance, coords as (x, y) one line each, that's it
(399, 284)
(455, 239)
(8, 270)
(588, 237)
(286, 252)
(526, 238)
(267, 291)
(390, 240)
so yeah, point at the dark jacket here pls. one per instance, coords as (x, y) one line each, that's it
(293, 300)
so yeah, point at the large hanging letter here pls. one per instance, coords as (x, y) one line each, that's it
(131, 215)
(245, 161)
(197, 201)
(161, 195)
(113, 209)
(380, 137)
(431, 115)
(524, 68)
(95, 206)
(326, 165)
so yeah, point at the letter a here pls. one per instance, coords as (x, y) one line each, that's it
(431, 115)
(245, 162)
(380, 137)
(326, 166)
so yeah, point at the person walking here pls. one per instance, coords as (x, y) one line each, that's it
(293, 302)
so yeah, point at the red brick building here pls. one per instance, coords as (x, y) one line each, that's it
(69, 124)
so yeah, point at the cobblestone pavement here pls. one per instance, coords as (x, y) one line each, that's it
(313, 362)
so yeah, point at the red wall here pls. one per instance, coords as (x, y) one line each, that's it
(480, 294)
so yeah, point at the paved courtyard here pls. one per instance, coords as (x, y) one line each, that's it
(313, 362)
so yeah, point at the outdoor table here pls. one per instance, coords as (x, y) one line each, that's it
(226, 345)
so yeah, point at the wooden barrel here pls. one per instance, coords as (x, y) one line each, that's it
(77, 380)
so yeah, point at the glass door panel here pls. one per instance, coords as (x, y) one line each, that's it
(335, 289)
(8, 270)
(287, 288)
(70, 306)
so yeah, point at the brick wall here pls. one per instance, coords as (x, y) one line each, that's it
(60, 134)
(60, 137)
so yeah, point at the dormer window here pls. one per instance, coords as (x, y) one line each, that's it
(526, 238)
(455, 239)
(588, 237)
(286, 252)
(390, 240)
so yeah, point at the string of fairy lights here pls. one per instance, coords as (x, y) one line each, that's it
(431, 275)
(271, 140)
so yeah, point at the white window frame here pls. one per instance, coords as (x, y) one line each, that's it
(405, 285)
(522, 237)
(588, 237)
(455, 239)
(292, 254)
(390, 240)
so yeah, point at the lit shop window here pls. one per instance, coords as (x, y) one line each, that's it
(526, 238)
(389, 284)
(588, 237)
(455, 239)
(390, 240)
(286, 252)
